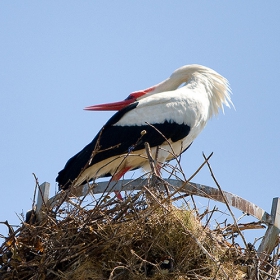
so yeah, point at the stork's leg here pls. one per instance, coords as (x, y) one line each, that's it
(157, 169)
(117, 177)
(120, 173)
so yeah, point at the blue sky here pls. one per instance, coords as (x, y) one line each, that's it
(59, 56)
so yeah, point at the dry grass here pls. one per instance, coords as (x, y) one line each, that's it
(145, 236)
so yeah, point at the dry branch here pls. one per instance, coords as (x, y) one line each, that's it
(145, 236)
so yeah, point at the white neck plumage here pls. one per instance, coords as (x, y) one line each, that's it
(216, 86)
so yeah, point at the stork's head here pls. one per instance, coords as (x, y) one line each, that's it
(173, 82)
(217, 88)
(115, 106)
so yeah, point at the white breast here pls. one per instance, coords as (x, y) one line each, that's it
(181, 106)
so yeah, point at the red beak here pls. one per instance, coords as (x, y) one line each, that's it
(116, 106)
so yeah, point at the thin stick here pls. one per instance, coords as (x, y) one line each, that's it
(150, 158)
(226, 202)
(35, 191)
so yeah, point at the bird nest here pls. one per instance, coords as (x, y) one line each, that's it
(146, 235)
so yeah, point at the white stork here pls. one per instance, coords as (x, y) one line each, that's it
(166, 116)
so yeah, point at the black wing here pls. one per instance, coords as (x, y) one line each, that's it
(117, 140)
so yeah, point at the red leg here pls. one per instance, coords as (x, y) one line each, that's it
(117, 177)
(119, 174)
(158, 168)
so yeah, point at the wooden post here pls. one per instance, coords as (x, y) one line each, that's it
(270, 239)
(42, 198)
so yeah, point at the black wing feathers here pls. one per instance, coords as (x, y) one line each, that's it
(115, 140)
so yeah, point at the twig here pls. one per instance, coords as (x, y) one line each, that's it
(34, 195)
(111, 277)
(150, 158)
(226, 202)
(208, 220)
